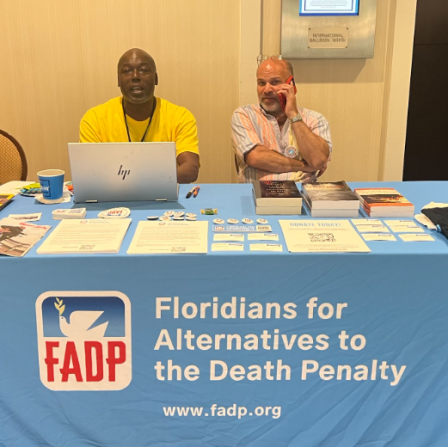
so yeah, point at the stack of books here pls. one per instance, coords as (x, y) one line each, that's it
(330, 199)
(384, 202)
(277, 197)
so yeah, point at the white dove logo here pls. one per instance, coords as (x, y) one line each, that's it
(81, 321)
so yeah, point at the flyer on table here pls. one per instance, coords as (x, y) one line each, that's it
(321, 236)
(86, 236)
(157, 237)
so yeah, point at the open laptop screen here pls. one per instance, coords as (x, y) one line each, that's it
(123, 172)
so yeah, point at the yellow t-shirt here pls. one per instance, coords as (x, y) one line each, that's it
(105, 123)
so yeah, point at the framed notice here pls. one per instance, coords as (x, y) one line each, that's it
(329, 7)
(328, 29)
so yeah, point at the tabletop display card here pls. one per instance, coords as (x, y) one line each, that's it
(17, 237)
(384, 202)
(330, 199)
(86, 236)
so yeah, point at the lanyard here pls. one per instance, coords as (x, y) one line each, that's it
(147, 127)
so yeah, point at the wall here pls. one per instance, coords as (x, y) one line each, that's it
(59, 58)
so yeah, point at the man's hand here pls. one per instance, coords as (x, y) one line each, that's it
(187, 167)
(310, 177)
(291, 109)
(322, 170)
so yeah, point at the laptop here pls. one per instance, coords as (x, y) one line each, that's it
(123, 172)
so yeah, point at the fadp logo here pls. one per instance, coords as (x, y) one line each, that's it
(84, 340)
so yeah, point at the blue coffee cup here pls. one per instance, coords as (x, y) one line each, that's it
(51, 183)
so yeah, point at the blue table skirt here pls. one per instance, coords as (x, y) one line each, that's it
(226, 349)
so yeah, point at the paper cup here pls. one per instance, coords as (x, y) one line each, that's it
(51, 183)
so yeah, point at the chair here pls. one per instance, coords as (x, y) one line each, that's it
(13, 164)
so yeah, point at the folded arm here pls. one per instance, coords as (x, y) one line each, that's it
(314, 149)
(261, 157)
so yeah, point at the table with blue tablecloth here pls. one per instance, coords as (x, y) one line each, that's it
(226, 349)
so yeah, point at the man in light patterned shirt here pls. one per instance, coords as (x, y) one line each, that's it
(272, 143)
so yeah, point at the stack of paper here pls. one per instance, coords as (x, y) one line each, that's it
(75, 213)
(170, 237)
(86, 236)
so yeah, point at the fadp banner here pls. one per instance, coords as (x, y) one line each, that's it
(253, 354)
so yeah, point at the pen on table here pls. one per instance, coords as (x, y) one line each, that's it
(190, 193)
(196, 191)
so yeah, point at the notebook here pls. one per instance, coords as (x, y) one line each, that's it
(123, 172)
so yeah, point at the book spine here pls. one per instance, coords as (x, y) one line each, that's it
(306, 198)
(366, 209)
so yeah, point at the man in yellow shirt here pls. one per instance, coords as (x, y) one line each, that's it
(139, 116)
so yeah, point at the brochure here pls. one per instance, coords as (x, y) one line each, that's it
(17, 237)
(321, 236)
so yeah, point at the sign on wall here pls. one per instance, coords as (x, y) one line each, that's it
(328, 37)
(328, 29)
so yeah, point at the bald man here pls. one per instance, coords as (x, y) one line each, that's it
(139, 116)
(276, 143)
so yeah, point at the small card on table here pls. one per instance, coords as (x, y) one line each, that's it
(266, 247)
(262, 237)
(230, 246)
(234, 237)
(416, 237)
(379, 237)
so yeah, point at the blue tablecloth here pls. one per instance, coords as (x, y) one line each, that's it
(226, 349)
